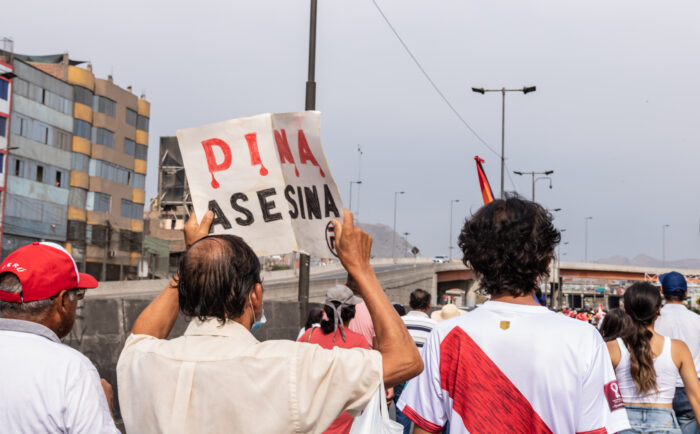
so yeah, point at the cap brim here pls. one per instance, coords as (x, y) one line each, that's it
(86, 281)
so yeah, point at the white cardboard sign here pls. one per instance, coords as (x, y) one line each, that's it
(266, 179)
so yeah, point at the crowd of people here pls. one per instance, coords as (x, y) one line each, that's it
(510, 365)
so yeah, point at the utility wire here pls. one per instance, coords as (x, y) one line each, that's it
(432, 83)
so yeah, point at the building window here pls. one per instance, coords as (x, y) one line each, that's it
(4, 89)
(104, 137)
(109, 171)
(77, 197)
(82, 129)
(106, 106)
(141, 152)
(98, 201)
(2, 168)
(82, 95)
(20, 87)
(138, 181)
(57, 183)
(39, 173)
(3, 126)
(129, 147)
(80, 162)
(18, 167)
(61, 139)
(131, 209)
(131, 116)
(142, 123)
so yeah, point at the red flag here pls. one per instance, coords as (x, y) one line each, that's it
(483, 181)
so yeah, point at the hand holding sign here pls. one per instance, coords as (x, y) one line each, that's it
(352, 244)
(196, 231)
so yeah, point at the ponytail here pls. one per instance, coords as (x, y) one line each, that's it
(642, 301)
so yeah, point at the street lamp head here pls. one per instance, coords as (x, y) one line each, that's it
(478, 90)
(556, 209)
(517, 173)
(549, 172)
(528, 89)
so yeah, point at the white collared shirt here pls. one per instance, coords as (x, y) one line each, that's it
(419, 325)
(221, 379)
(678, 322)
(46, 386)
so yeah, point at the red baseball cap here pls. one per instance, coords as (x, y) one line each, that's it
(44, 270)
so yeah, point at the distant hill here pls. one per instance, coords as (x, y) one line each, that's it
(382, 239)
(648, 261)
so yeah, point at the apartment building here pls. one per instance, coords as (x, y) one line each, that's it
(80, 165)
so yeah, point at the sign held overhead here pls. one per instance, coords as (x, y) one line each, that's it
(266, 179)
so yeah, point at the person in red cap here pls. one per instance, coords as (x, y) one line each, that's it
(46, 386)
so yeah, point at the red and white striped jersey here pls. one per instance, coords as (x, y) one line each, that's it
(515, 368)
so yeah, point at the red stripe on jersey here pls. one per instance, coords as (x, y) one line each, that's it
(595, 431)
(482, 395)
(418, 420)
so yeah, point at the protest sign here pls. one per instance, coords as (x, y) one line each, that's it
(266, 179)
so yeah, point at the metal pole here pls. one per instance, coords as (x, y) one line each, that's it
(359, 183)
(533, 186)
(450, 245)
(663, 245)
(585, 255)
(406, 234)
(503, 139)
(304, 259)
(350, 201)
(393, 234)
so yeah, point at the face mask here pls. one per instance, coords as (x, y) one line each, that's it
(258, 322)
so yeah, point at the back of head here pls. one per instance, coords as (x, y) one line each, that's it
(215, 277)
(674, 286)
(9, 282)
(420, 300)
(614, 324)
(642, 302)
(315, 316)
(509, 244)
(346, 314)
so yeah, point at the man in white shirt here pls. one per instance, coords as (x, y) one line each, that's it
(417, 321)
(512, 365)
(46, 386)
(219, 378)
(678, 322)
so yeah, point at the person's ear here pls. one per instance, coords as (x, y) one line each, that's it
(256, 296)
(63, 303)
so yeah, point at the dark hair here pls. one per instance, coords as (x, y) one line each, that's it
(670, 297)
(420, 300)
(215, 276)
(509, 244)
(641, 302)
(398, 307)
(315, 315)
(346, 314)
(615, 322)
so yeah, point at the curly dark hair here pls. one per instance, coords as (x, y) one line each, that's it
(509, 243)
(215, 276)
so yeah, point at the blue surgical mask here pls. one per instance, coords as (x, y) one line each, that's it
(258, 322)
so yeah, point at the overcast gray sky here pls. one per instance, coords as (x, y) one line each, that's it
(615, 114)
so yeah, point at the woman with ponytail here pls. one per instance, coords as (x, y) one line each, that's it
(339, 309)
(647, 365)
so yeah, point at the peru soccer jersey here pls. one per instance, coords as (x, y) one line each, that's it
(507, 368)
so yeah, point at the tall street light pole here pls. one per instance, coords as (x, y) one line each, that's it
(532, 174)
(304, 259)
(393, 235)
(524, 90)
(358, 189)
(585, 257)
(452, 202)
(663, 244)
(359, 182)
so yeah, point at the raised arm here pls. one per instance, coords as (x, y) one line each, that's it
(400, 358)
(688, 374)
(159, 317)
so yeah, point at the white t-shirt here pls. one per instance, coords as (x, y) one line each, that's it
(419, 326)
(47, 386)
(514, 368)
(679, 322)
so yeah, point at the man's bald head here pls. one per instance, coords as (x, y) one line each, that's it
(215, 276)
